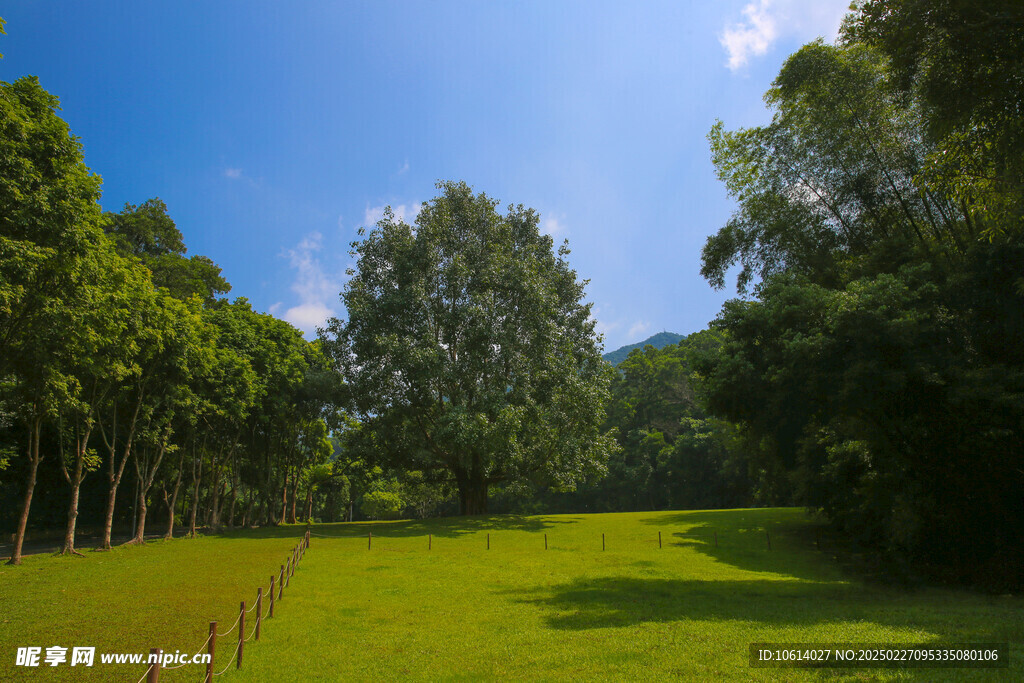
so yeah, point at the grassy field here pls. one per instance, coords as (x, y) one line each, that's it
(458, 611)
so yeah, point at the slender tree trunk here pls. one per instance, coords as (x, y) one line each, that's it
(140, 520)
(174, 499)
(145, 482)
(214, 521)
(295, 496)
(309, 503)
(197, 476)
(114, 476)
(75, 482)
(284, 499)
(34, 458)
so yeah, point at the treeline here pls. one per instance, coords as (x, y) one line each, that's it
(874, 368)
(123, 367)
(671, 454)
(879, 360)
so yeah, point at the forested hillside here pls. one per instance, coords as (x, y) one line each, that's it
(658, 341)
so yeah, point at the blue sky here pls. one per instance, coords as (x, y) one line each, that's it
(274, 130)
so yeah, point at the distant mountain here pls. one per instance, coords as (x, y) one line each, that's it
(658, 341)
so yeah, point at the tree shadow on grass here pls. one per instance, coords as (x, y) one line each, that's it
(618, 602)
(613, 602)
(779, 541)
(445, 527)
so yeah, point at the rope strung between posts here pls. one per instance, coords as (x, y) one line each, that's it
(228, 632)
(201, 648)
(231, 659)
(251, 634)
(266, 611)
(146, 674)
(251, 608)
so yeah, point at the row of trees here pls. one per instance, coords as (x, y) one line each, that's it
(118, 355)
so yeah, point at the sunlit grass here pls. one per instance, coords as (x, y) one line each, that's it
(457, 610)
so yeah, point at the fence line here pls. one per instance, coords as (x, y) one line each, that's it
(707, 534)
(152, 674)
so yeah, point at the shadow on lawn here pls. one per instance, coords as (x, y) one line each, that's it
(612, 602)
(778, 541)
(617, 602)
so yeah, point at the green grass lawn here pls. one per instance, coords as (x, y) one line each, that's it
(459, 611)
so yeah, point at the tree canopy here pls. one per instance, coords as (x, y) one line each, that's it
(468, 350)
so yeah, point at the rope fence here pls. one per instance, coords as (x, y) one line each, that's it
(709, 536)
(278, 582)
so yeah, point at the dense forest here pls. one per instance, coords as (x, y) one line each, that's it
(871, 368)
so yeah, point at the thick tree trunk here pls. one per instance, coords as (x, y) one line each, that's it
(472, 494)
(33, 456)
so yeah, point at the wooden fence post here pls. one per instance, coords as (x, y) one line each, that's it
(659, 539)
(369, 540)
(271, 613)
(602, 541)
(287, 571)
(211, 647)
(430, 541)
(488, 541)
(280, 584)
(259, 610)
(545, 541)
(153, 674)
(241, 634)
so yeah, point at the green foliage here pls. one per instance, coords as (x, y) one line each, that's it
(961, 59)
(468, 351)
(148, 233)
(879, 363)
(671, 455)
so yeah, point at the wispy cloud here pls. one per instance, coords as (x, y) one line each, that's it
(316, 290)
(766, 21)
(404, 169)
(403, 212)
(553, 225)
(233, 173)
(638, 328)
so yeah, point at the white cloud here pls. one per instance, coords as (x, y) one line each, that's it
(406, 214)
(233, 173)
(639, 327)
(315, 289)
(308, 317)
(404, 169)
(553, 226)
(766, 21)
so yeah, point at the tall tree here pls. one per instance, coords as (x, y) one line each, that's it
(468, 350)
(962, 60)
(49, 221)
